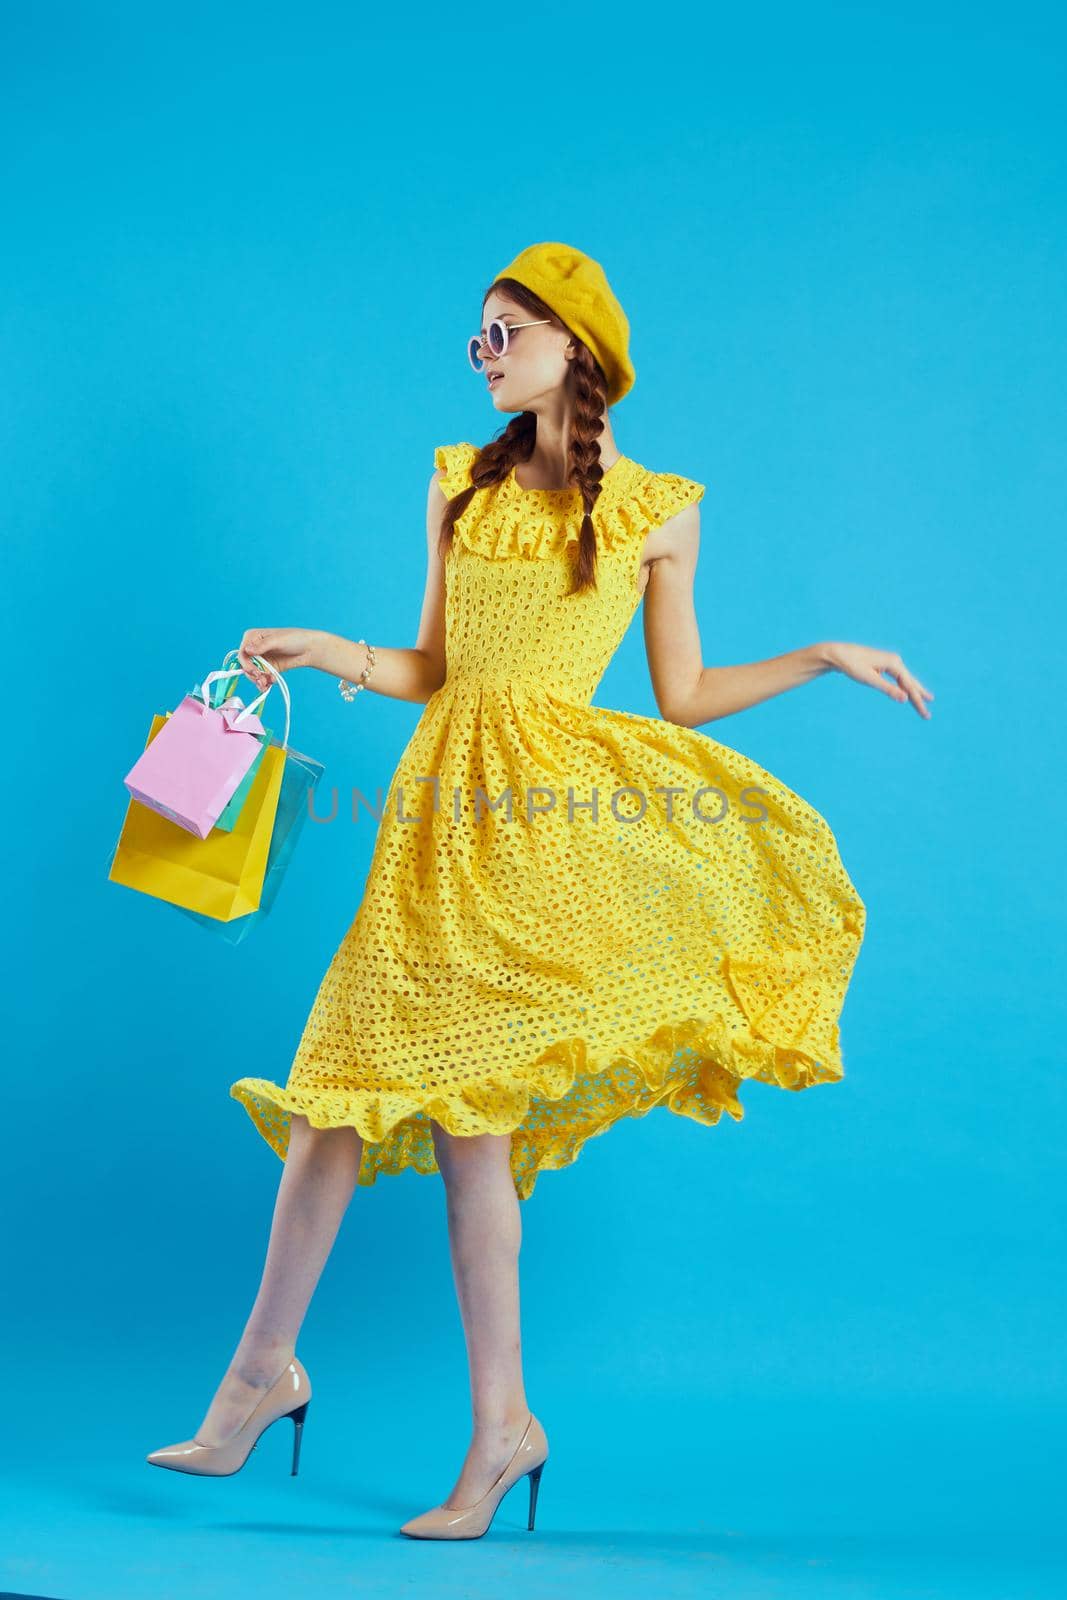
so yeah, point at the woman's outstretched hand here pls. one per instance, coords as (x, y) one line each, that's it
(866, 665)
(284, 648)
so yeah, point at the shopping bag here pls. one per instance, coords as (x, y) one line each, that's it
(190, 768)
(189, 771)
(220, 876)
(299, 779)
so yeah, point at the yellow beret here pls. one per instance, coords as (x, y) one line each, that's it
(577, 290)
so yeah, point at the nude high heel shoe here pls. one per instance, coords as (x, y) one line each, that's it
(288, 1396)
(470, 1522)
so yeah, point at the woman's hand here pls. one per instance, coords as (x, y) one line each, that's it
(866, 665)
(284, 648)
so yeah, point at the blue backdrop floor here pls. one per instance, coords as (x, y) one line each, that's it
(910, 1500)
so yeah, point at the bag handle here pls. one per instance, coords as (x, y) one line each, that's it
(228, 660)
(249, 710)
(254, 705)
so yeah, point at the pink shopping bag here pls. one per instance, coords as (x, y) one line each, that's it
(192, 767)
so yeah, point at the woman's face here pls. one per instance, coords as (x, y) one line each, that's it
(533, 367)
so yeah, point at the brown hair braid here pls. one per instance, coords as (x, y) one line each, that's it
(587, 385)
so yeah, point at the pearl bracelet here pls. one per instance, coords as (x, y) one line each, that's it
(350, 690)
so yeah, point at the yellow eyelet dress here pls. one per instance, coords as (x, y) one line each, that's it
(571, 914)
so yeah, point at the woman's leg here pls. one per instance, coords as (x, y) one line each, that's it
(317, 1182)
(485, 1235)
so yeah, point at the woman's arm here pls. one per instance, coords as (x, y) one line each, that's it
(399, 674)
(689, 693)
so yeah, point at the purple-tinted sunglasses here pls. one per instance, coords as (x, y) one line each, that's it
(496, 337)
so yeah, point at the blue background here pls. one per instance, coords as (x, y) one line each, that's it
(817, 1352)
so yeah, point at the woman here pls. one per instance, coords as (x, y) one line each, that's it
(572, 914)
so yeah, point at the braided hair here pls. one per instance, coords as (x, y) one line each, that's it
(587, 386)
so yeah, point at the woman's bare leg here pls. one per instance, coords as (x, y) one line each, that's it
(485, 1236)
(317, 1182)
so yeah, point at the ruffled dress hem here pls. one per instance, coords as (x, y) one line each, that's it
(632, 1079)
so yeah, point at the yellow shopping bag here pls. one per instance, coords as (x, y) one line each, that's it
(220, 876)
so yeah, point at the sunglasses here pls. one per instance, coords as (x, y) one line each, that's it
(496, 337)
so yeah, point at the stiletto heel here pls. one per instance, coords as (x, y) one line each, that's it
(535, 1484)
(470, 1522)
(222, 1460)
(298, 1428)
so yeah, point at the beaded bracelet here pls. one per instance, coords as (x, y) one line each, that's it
(350, 690)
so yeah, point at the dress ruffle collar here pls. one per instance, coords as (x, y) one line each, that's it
(506, 520)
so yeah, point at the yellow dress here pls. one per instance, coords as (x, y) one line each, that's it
(571, 914)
